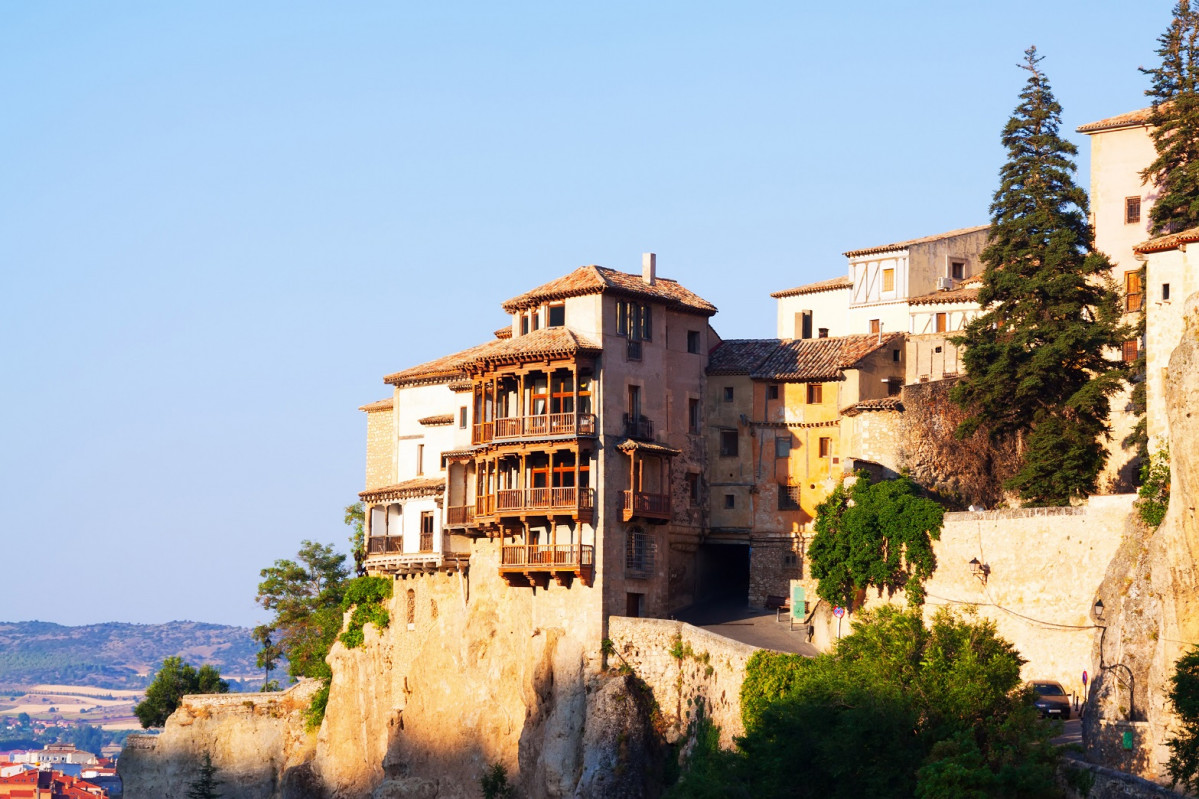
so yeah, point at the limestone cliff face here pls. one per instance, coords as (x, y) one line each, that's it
(258, 742)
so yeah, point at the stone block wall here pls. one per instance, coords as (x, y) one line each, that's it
(380, 448)
(691, 672)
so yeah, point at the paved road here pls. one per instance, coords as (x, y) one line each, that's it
(752, 626)
(1071, 732)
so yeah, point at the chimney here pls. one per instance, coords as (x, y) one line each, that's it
(649, 263)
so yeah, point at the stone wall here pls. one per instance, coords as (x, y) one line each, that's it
(258, 742)
(380, 448)
(1106, 783)
(692, 672)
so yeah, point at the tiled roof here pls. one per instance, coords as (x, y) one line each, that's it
(965, 291)
(903, 245)
(885, 404)
(740, 356)
(632, 445)
(1168, 242)
(381, 405)
(833, 284)
(439, 419)
(504, 332)
(440, 370)
(601, 280)
(809, 359)
(1131, 119)
(549, 342)
(418, 487)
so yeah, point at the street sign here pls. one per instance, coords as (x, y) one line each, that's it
(838, 612)
(799, 605)
(1084, 678)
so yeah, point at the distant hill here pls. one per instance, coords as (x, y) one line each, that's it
(118, 655)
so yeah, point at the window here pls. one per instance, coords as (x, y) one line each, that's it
(1133, 298)
(957, 270)
(640, 551)
(782, 445)
(420, 458)
(535, 320)
(772, 392)
(693, 488)
(822, 332)
(1132, 210)
(728, 393)
(894, 356)
(875, 327)
(730, 501)
(634, 320)
(826, 447)
(426, 531)
(805, 324)
(888, 280)
(1165, 292)
(894, 386)
(1129, 351)
(524, 324)
(411, 614)
(634, 405)
(556, 316)
(940, 323)
(728, 443)
(693, 341)
(815, 393)
(462, 418)
(788, 497)
(692, 415)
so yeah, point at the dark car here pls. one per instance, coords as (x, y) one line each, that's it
(1052, 700)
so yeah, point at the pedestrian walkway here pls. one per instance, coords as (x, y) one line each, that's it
(752, 626)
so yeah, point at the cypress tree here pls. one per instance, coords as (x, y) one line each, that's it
(1174, 125)
(1035, 363)
(205, 785)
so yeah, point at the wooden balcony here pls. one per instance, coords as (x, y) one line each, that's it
(647, 506)
(538, 501)
(384, 544)
(415, 562)
(540, 426)
(537, 562)
(460, 516)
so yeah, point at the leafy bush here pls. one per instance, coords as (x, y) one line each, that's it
(173, 681)
(494, 783)
(366, 595)
(1154, 493)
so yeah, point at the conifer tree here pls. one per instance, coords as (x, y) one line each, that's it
(205, 785)
(1035, 362)
(1174, 125)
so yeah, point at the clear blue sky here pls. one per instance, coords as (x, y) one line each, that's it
(222, 223)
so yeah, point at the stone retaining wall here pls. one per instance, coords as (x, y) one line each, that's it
(1106, 783)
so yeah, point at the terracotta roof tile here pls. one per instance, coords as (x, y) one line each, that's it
(965, 291)
(417, 487)
(549, 342)
(439, 419)
(631, 445)
(601, 280)
(504, 332)
(809, 359)
(903, 245)
(832, 284)
(1168, 242)
(440, 370)
(380, 405)
(1131, 119)
(740, 356)
(885, 404)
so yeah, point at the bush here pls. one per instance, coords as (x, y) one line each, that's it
(1154, 493)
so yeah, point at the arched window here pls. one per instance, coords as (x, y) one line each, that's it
(411, 608)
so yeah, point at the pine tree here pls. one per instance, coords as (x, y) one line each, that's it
(205, 786)
(1035, 363)
(1174, 125)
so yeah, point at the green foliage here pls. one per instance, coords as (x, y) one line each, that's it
(1184, 696)
(1154, 493)
(874, 534)
(367, 596)
(494, 783)
(173, 681)
(205, 785)
(1174, 125)
(1035, 362)
(86, 738)
(895, 710)
(315, 713)
(356, 520)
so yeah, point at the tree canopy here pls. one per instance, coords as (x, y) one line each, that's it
(896, 710)
(874, 534)
(1174, 124)
(175, 680)
(1035, 358)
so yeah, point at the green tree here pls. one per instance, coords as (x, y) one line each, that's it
(24, 720)
(356, 521)
(268, 656)
(1184, 696)
(86, 738)
(874, 534)
(1174, 124)
(1035, 362)
(305, 596)
(175, 680)
(205, 785)
(896, 710)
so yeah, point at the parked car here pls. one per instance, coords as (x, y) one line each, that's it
(1052, 700)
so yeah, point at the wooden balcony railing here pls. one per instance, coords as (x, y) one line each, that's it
(546, 424)
(519, 500)
(384, 544)
(639, 503)
(638, 427)
(547, 557)
(459, 516)
(426, 542)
